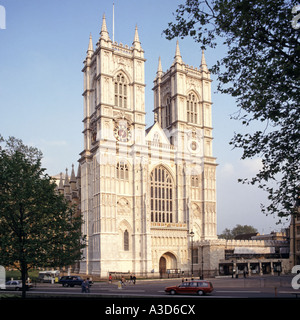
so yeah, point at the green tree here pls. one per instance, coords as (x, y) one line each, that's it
(261, 70)
(237, 230)
(37, 226)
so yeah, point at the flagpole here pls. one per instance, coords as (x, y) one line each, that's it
(113, 22)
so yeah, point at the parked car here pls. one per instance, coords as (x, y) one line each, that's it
(71, 281)
(199, 287)
(16, 285)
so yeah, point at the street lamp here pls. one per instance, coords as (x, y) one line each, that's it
(294, 216)
(192, 237)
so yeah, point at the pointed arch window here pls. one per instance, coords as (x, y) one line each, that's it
(192, 108)
(126, 240)
(120, 91)
(161, 195)
(194, 181)
(168, 113)
(122, 171)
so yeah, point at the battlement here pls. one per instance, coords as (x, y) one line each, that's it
(122, 48)
(230, 244)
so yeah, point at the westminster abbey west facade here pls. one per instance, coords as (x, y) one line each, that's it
(146, 193)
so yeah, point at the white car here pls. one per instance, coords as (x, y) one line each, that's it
(16, 285)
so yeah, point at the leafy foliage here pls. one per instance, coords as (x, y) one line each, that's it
(237, 230)
(37, 225)
(262, 72)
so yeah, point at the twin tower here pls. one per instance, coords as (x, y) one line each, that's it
(146, 193)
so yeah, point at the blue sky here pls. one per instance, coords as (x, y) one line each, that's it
(41, 84)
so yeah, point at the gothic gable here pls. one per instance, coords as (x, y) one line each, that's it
(156, 134)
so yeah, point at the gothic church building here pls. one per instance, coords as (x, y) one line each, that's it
(146, 193)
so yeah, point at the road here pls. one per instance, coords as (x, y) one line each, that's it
(254, 287)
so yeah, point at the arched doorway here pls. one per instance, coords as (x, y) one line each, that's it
(162, 265)
(167, 261)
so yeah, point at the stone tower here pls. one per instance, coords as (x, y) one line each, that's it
(114, 128)
(182, 103)
(144, 191)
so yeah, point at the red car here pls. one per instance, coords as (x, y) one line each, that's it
(199, 287)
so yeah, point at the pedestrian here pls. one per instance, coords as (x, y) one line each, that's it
(245, 272)
(83, 286)
(123, 281)
(134, 279)
(87, 285)
(110, 278)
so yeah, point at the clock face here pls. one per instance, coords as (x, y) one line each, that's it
(122, 131)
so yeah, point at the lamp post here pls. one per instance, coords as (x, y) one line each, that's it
(192, 237)
(294, 216)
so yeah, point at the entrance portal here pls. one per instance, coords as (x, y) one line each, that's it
(167, 261)
(162, 265)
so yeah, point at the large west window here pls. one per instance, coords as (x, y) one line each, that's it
(162, 195)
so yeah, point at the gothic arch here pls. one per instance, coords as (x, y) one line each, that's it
(167, 110)
(162, 195)
(167, 261)
(195, 92)
(125, 73)
(125, 233)
(192, 107)
(197, 230)
(122, 170)
(166, 96)
(93, 101)
(123, 225)
(197, 212)
(123, 207)
(166, 166)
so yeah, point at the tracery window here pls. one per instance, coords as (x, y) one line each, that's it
(192, 108)
(168, 113)
(121, 91)
(126, 240)
(162, 195)
(194, 181)
(122, 171)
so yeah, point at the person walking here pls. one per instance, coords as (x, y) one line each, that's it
(87, 285)
(83, 286)
(123, 281)
(245, 272)
(131, 279)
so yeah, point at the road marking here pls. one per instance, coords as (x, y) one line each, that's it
(237, 291)
(128, 290)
